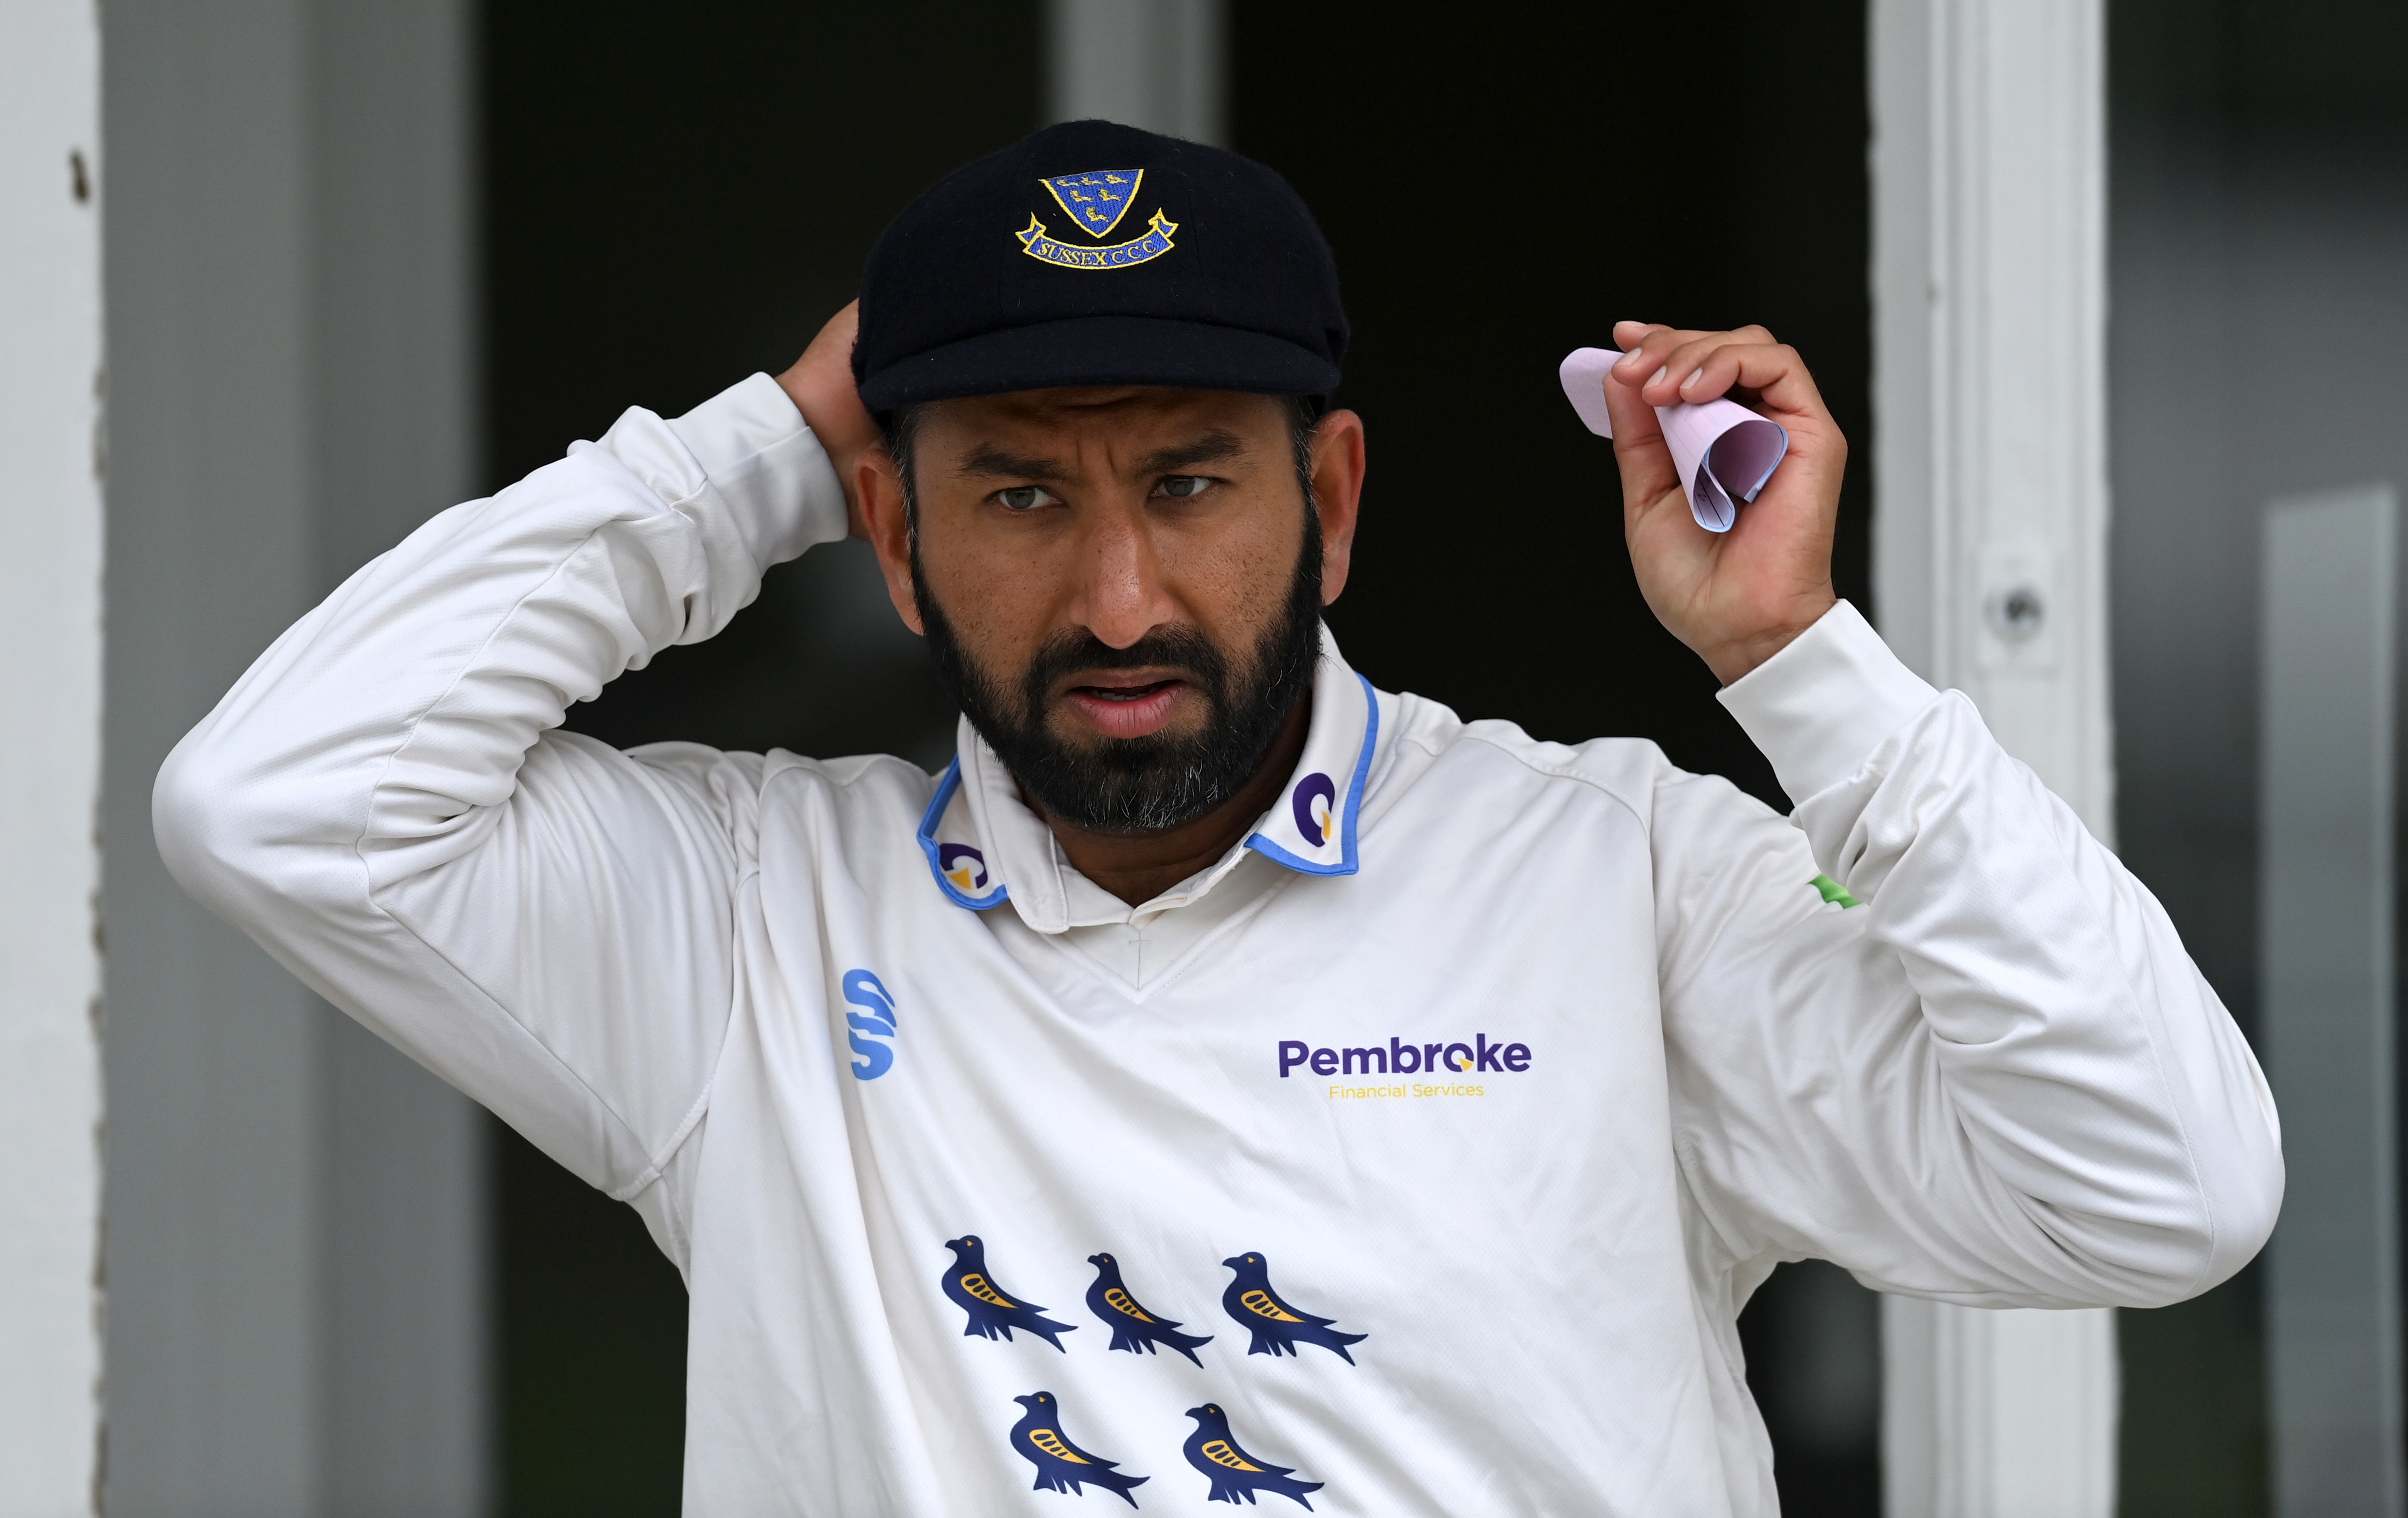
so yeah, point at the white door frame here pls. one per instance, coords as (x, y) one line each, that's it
(50, 768)
(1989, 574)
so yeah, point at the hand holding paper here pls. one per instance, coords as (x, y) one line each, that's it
(1735, 594)
(1724, 451)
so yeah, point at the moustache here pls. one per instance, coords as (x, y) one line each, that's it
(1184, 651)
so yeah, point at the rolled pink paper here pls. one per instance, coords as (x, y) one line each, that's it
(1723, 452)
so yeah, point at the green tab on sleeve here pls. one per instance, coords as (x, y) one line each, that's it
(1834, 891)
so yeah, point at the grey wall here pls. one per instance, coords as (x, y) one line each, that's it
(2258, 246)
(296, 1275)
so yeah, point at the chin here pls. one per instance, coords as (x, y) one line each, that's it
(1075, 732)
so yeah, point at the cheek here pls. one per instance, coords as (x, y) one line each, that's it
(999, 595)
(1238, 582)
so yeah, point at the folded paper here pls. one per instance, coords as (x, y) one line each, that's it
(1723, 452)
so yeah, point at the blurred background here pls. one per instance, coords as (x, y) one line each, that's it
(365, 258)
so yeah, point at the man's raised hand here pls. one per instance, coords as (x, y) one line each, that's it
(821, 384)
(1735, 598)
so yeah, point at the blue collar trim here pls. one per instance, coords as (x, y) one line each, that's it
(1350, 861)
(929, 846)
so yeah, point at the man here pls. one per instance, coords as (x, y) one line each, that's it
(1227, 1079)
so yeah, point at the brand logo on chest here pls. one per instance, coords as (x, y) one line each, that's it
(871, 1027)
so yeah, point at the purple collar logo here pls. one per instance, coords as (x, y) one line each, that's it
(1316, 803)
(965, 866)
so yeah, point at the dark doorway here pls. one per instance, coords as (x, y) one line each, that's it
(1500, 193)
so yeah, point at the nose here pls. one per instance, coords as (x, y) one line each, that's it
(1123, 592)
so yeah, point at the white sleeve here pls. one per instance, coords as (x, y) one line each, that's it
(1999, 1080)
(383, 803)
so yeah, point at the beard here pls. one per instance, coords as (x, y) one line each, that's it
(1157, 782)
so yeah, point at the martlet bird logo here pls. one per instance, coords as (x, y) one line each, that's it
(1315, 797)
(1134, 1328)
(1278, 1327)
(873, 1022)
(1236, 1475)
(1096, 199)
(993, 1311)
(1062, 1466)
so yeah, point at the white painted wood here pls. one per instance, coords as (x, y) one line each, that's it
(50, 392)
(2326, 777)
(1989, 575)
(1155, 64)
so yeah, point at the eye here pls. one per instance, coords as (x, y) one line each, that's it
(1183, 487)
(1027, 498)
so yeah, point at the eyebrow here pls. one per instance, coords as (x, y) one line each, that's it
(990, 458)
(1213, 447)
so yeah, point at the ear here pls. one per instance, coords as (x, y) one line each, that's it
(879, 486)
(1337, 464)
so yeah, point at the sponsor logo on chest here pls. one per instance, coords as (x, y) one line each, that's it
(1438, 1057)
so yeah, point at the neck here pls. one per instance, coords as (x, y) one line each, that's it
(1138, 866)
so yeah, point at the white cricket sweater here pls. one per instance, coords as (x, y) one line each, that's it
(1523, 1063)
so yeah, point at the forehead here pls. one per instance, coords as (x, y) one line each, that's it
(1135, 414)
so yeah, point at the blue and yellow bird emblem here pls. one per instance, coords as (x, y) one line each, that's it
(1235, 1474)
(1062, 1466)
(1096, 199)
(1278, 1327)
(1134, 1328)
(994, 1312)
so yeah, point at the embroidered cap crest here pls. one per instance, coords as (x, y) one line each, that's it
(1096, 199)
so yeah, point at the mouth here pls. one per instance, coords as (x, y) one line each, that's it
(1132, 704)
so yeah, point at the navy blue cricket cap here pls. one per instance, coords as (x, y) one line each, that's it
(1096, 253)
